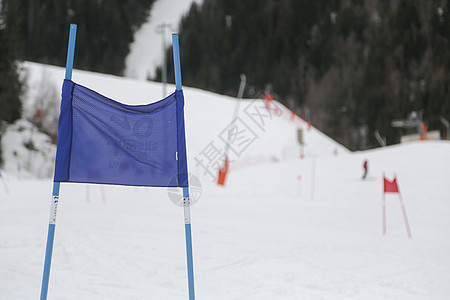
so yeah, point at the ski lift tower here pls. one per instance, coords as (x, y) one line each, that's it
(414, 120)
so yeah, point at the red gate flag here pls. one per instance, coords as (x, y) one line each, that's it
(390, 187)
(223, 173)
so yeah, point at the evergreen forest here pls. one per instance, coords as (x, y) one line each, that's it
(37, 30)
(348, 66)
(351, 66)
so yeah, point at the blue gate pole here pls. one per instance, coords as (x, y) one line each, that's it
(186, 200)
(56, 185)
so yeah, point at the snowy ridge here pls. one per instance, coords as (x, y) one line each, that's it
(272, 134)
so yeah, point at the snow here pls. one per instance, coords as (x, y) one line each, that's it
(265, 235)
(34, 161)
(146, 51)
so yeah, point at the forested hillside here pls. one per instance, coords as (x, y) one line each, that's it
(10, 86)
(353, 64)
(37, 30)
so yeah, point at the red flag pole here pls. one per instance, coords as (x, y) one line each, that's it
(384, 207)
(384, 214)
(405, 217)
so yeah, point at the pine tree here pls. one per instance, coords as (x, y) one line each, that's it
(10, 85)
(39, 30)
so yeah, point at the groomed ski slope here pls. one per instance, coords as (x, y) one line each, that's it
(147, 49)
(268, 234)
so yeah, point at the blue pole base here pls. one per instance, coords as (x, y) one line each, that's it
(190, 263)
(48, 260)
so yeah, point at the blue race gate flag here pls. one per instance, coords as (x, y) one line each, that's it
(104, 141)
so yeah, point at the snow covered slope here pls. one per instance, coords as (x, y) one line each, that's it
(282, 227)
(147, 49)
(269, 135)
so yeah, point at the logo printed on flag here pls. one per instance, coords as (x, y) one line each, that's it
(104, 141)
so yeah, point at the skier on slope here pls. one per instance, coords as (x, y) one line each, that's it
(366, 168)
